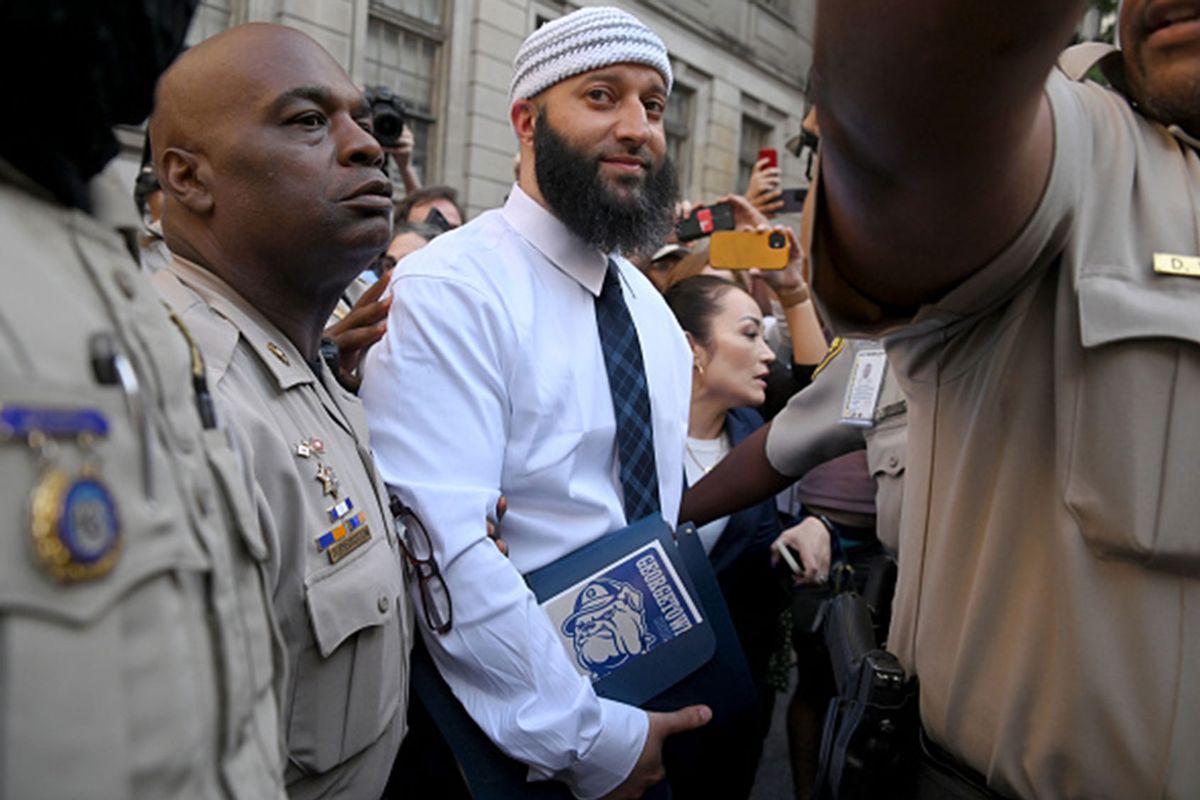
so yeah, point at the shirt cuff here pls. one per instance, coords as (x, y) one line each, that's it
(610, 759)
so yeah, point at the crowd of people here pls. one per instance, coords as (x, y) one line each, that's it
(282, 464)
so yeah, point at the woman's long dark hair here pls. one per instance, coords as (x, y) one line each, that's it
(695, 301)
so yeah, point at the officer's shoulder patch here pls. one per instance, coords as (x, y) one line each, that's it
(835, 347)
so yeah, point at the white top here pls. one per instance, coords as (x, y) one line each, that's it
(702, 456)
(491, 379)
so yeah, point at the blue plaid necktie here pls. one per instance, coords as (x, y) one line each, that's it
(630, 397)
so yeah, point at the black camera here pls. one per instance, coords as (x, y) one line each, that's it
(777, 241)
(389, 114)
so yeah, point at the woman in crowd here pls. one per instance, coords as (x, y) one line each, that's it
(724, 326)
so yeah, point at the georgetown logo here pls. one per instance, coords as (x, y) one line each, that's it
(608, 626)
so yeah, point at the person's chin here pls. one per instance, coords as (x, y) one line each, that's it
(756, 395)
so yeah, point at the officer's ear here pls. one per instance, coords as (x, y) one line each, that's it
(183, 175)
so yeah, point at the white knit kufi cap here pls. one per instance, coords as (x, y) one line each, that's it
(581, 41)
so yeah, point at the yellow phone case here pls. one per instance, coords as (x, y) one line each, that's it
(748, 250)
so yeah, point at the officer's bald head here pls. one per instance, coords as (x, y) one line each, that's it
(259, 144)
(219, 79)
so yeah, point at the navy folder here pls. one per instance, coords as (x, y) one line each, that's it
(640, 613)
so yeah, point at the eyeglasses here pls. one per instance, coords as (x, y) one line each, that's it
(418, 551)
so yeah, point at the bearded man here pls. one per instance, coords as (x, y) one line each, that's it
(493, 378)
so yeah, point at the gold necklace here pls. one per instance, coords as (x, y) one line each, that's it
(692, 454)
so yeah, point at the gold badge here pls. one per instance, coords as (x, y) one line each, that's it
(75, 528)
(73, 520)
(1169, 264)
(277, 351)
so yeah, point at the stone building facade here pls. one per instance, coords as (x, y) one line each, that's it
(740, 68)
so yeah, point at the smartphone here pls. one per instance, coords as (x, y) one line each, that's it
(793, 201)
(704, 220)
(748, 250)
(790, 557)
(770, 154)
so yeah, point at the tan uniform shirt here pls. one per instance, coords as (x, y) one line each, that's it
(154, 679)
(1048, 595)
(810, 430)
(342, 606)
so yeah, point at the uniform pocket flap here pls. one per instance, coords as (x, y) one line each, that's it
(360, 592)
(1113, 309)
(886, 458)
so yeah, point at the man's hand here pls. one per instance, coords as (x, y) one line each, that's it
(649, 767)
(403, 151)
(811, 540)
(764, 190)
(745, 215)
(357, 331)
(402, 154)
(790, 279)
(493, 525)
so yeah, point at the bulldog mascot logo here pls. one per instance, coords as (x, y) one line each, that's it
(608, 626)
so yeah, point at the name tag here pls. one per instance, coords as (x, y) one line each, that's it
(1168, 264)
(862, 391)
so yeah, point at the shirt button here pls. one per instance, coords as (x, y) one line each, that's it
(893, 461)
(383, 603)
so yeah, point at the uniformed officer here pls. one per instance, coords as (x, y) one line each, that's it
(851, 405)
(1037, 236)
(137, 650)
(275, 201)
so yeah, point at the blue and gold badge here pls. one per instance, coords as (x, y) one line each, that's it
(75, 527)
(74, 523)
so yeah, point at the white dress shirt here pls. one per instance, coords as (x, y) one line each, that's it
(491, 379)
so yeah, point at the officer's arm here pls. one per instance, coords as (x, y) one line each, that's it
(741, 479)
(936, 138)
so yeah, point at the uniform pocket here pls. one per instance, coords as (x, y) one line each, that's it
(107, 679)
(1131, 457)
(886, 448)
(347, 690)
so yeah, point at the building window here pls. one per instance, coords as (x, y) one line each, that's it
(677, 121)
(404, 42)
(755, 136)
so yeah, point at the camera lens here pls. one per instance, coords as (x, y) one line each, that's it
(777, 241)
(388, 126)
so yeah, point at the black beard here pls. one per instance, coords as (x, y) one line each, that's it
(571, 185)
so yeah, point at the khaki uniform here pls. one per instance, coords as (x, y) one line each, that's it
(810, 431)
(1049, 587)
(342, 605)
(137, 653)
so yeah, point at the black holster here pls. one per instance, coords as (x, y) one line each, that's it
(868, 749)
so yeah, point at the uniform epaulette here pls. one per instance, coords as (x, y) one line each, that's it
(835, 347)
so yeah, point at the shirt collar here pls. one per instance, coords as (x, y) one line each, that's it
(546, 232)
(277, 353)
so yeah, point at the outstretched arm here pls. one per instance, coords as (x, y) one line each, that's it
(936, 138)
(742, 478)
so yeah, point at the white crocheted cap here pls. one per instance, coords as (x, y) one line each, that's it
(581, 41)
